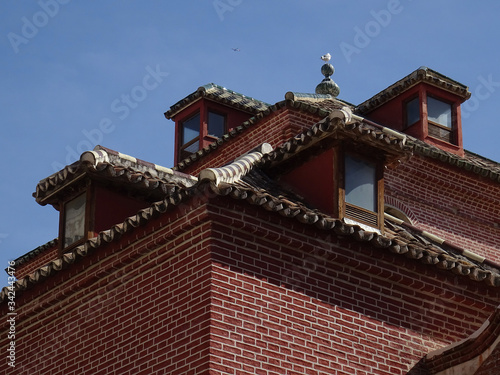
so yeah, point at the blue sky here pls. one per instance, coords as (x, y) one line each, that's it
(77, 73)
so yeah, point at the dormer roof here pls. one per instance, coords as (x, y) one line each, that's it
(421, 75)
(103, 164)
(221, 95)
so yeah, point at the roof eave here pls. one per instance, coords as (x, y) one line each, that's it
(421, 75)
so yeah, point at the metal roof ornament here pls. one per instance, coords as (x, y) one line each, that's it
(327, 85)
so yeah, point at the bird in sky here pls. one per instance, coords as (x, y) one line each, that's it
(326, 57)
(236, 49)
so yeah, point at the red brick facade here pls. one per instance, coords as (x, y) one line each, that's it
(230, 289)
(450, 202)
(221, 278)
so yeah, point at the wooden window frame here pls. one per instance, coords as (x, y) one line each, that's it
(406, 125)
(205, 131)
(452, 130)
(344, 208)
(180, 137)
(88, 220)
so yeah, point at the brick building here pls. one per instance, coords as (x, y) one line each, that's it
(311, 236)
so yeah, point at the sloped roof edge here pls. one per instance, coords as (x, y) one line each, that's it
(471, 162)
(242, 192)
(237, 169)
(300, 105)
(422, 74)
(35, 252)
(340, 124)
(107, 163)
(219, 94)
(468, 355)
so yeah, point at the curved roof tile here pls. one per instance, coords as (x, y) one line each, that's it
(255, 190)
(219, 94)
(105, 164)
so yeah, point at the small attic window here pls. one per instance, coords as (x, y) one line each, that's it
(74, 220)
(190, 135)
(439, 112)
(363, 190)
(439, 117)
(412, 111)
(360, 183)
(216, 124)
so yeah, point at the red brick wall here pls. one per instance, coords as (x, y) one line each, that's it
(276, 129)
(288, 298)
(138, 307)
(40, 260)
(452, 203)
(239, 290)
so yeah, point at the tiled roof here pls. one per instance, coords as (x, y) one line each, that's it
(104, 164)
(470, 162)
(219, 94)
(333, 127)
(256, 188)
(35, 252)
(322, 108)
(422, 74)
(324, 101)
(236, 170)
(248, 182)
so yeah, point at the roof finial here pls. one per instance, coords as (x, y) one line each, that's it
(327, 86)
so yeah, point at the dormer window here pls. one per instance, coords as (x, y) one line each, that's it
(426, 105)
(363, 187)
(344, 183)
(74, 220)
(439, 117)
(438, 112)
(216, 126)
(412, 111)
(196, 134)
(427, 116)
(190, 135)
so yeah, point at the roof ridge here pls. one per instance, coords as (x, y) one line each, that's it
(422, 74)
(218, 93)
(102, 154)
(237, 169)
(106, 162)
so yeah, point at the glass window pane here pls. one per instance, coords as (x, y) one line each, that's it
(216, 124)
(438, 111)
(360, 183)
(74, 220)
(190, 129)
(412, 111)
(193, 147)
